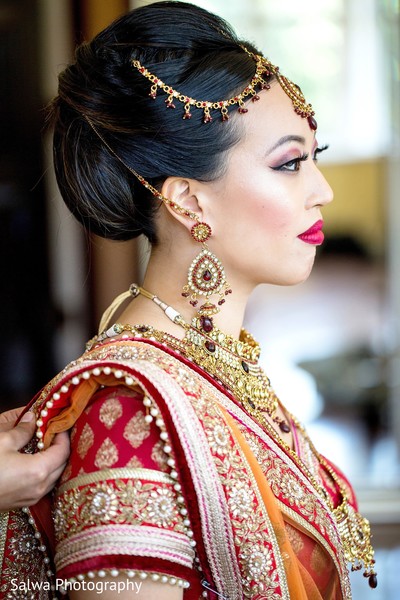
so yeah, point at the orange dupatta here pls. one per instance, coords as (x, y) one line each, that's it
(300, 583)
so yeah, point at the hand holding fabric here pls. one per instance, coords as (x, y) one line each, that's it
(25, 478)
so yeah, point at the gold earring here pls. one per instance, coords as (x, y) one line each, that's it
(206, 275)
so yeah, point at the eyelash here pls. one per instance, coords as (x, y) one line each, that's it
(286, 167)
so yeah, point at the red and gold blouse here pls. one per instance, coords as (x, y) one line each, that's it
(170, 478)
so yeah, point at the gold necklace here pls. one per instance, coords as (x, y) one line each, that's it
(234, 364)
(231, 362)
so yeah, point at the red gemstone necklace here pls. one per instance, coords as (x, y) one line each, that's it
(231, 362)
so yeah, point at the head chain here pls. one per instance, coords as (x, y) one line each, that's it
(264, 69)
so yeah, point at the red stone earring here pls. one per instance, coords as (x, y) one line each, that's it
(206, 275)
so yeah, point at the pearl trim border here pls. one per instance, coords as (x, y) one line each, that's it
(131, 574)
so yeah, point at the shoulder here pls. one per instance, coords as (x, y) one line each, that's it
(115, 430)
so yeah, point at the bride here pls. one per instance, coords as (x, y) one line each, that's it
(187, 477)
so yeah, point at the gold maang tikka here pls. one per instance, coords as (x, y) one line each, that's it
(264, 70)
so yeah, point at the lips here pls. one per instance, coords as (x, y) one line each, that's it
(314, 235)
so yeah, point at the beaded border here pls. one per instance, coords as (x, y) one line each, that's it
(130, 574)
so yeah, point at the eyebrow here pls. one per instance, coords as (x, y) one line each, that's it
(285, 139)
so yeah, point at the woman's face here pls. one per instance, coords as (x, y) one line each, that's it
(270, 194)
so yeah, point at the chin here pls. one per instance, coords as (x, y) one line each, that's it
(296, 276)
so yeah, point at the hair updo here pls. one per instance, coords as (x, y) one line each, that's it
(190, 49)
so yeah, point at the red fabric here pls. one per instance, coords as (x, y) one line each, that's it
(131, 403)
(121, 407)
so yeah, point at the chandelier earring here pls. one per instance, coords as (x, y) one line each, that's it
(206, 275)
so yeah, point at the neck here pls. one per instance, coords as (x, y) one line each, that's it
(167, 283)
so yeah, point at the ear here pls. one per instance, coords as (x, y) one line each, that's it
(181, 192)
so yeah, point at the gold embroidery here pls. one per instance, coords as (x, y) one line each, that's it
(253, 535)
(3, 536)
(161, 507)
(134, 463)
(241, 500)
(131, 501)
(218, 437)
(295, 538)
(85, 441)
(159, 456)
(111, 474)
(328, 481)
(137, 430)
(309, 512)
(107, 455)
(110, 411)
(25, 560)
(319, 560)
(284, 485)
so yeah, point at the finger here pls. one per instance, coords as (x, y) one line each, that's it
(55, 457)
(61, 444)
(9, 417)
(22, 433)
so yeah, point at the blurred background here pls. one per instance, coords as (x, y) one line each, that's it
(331, 345)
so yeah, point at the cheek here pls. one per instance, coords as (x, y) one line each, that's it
(273, 213)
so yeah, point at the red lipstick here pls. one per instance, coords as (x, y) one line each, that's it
(314, 235)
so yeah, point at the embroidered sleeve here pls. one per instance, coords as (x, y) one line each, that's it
(117, 506)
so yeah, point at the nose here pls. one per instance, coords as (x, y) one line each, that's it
(321, 192)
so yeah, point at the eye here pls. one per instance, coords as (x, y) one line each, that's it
(319, 150)
(292, 165)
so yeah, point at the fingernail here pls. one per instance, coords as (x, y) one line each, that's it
(28, 416)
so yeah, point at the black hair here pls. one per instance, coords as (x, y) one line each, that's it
(193, 51)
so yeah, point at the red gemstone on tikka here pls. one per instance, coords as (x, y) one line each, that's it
(210, 346)
(221, 302)
(207, 275)
(312, 123)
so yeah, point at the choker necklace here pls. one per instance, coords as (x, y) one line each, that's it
(231, 362)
